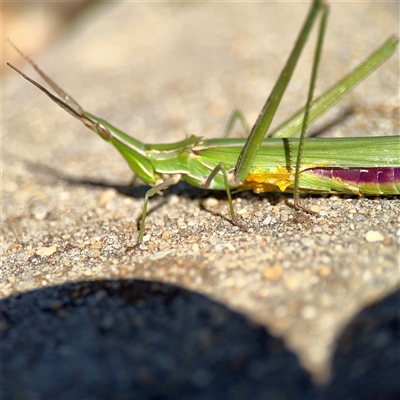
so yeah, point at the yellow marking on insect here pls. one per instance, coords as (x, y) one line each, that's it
(261, 181)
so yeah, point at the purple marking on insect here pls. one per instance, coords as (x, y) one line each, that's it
(385, 178)
(396, 177)
(351, 175)
(369, 176)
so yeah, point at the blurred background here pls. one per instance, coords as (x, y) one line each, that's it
(37, 24)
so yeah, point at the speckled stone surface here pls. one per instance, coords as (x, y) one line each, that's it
(268, 313)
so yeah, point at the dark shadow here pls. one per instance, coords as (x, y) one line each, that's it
(133, 339)
(38, 168)
(138, 191)
(366, 362)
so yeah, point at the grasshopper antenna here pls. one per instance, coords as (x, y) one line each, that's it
(64, 96)
(65, 101)
(77, 113)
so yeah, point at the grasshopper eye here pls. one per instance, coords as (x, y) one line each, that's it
(103, 131)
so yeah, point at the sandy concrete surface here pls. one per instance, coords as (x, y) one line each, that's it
(201, 309)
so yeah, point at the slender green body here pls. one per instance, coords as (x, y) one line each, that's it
(274, 166)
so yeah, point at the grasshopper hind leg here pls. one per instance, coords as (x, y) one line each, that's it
(317, 57)
(237, 115)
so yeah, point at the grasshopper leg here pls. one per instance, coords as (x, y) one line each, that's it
(237, 115)
(221, 168)
(151, 192)
(317, 57)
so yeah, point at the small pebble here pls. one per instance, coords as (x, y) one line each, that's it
(40, 214)
(242, 211)
(165, 235)
(64, 196)
(230, 247)
(210, 202)
(267, 220)
(373, 236)
(106, 196)
(307, 242)
(46, 251)
(309, 312)
(159, 222)
(146, 238)
(315, 208)
(325, 270)
(195, 248)
(284, 217)
(273, 273)
(173, 199)
(94, 253)
(301, 218)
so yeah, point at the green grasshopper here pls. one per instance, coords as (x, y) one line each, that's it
(372, 166)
